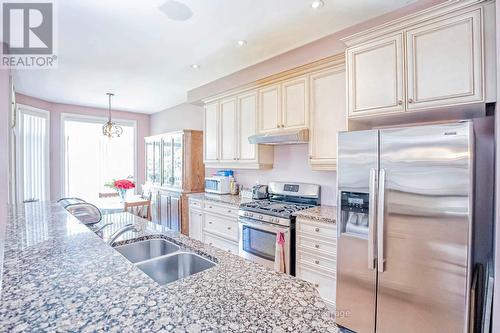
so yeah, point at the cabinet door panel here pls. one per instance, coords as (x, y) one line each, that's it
(375, 77)
(195, 224)
(269, 108)
(444, 62)
(295, 104)
(328, 116)
(168, 176)
(247, 126)
(211, 132)
(228, 129)
(150, 161)
(178, 160)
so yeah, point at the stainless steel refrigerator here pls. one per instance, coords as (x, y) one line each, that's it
(404, 231)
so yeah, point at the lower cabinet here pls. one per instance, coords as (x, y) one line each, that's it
(221, 243)
(168, 210)
(196, 224)
(215, 224)
(316, 257)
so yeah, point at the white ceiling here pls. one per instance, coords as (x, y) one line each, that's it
(133, 49)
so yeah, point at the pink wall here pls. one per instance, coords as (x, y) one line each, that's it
(56, 110)
(319, 49)
(291, 164)
(182, 116)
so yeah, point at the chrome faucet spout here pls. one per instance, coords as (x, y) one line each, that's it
(121, 231)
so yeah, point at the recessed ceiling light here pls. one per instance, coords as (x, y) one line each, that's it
(176, 10)
(242, 42)
(317, 4)
(195, 66)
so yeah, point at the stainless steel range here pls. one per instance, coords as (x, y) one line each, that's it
(267, 227)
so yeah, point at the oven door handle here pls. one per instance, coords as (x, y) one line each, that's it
(262, 225)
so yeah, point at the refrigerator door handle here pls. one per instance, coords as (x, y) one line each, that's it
(371, 219)
(380, 221)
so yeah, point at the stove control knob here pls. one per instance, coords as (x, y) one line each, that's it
(276, 220)
(250, 214)
(261, 217)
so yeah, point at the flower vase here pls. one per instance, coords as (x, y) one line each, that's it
(122, 193)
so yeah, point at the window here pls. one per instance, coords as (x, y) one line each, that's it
(32, 154)
(91, 160)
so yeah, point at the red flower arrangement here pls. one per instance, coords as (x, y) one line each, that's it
(123, 184)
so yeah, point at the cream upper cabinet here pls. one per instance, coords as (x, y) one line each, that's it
(270, 108)
(211, 132)
(295, 108)
(228, 129)
(375, 76)
(444, 62)
(235, 120)
(430, 60)
(328, 116)
(247, 122)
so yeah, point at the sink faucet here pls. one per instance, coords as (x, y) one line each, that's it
(97, 231)
(121, 231)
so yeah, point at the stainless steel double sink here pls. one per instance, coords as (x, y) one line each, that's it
(163, 261)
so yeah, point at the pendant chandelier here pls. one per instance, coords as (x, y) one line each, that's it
(110, 129)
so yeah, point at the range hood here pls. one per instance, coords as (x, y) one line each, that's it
(281, 138)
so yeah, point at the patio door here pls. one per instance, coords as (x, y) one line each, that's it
(32, 154)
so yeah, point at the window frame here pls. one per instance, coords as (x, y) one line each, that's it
(95, 120)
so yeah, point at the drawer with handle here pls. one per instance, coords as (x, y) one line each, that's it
(324, 282)
(223, 244)
(328, 263)
(223, 227)
(221, 209)
(195, 204)
(327, 248)
(328, 232)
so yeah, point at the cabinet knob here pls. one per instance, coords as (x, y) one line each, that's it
(229, 211)
(316, 262)
(410, 100)
(209, 222)
(228, 228)
(317, 229)
(316, 285)
(209, 206)
(316, 246)
(400, 102)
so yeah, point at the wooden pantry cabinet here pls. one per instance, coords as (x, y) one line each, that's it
(427, 61)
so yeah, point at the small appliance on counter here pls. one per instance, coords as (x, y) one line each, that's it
(259, 192)
(218, 184)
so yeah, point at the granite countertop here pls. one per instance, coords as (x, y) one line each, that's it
(60, 276)
(234, 200)
(323, 213)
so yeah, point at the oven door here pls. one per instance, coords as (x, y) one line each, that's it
(258, 243)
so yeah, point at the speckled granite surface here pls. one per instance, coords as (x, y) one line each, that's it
(323, 213)
(233, 200)
(60, 276)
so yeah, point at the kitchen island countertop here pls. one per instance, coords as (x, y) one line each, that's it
(60, 276)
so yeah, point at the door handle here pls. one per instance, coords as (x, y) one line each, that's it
(371, 218)
(380, 221)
